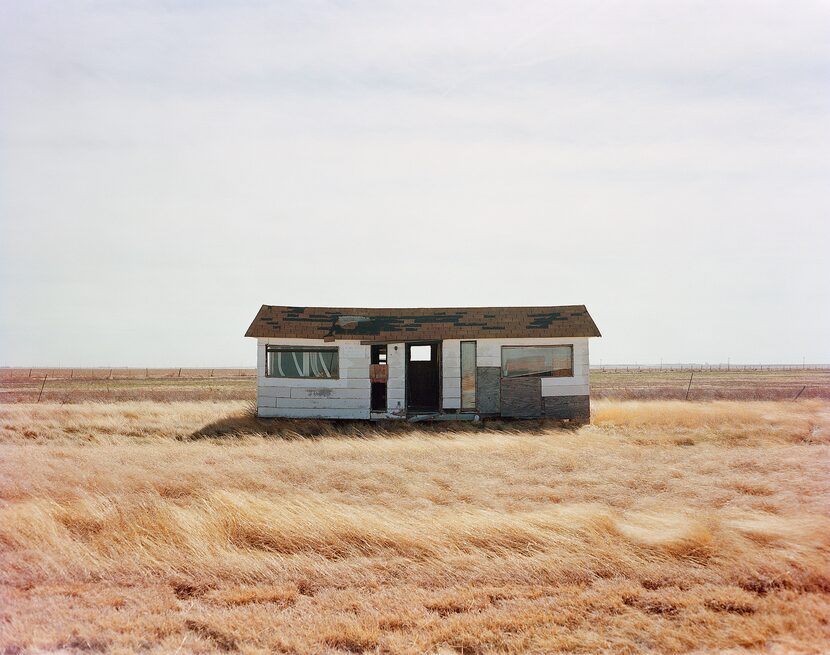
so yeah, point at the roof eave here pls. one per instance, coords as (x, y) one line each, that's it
(250, 331)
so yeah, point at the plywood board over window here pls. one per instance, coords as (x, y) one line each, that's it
(521, 397)
(488, 390)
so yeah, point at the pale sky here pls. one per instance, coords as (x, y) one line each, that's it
(168, 167)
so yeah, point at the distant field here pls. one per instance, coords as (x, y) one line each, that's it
(124, 384)
(83, 385)
(193, 527)
(761, 384)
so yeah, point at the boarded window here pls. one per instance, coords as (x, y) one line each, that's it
(537, 361)
(284, 362)
(468, 375)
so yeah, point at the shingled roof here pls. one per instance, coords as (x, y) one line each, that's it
(386, 324)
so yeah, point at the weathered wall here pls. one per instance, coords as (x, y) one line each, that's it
(396, 386)
(451, 373)
(570, 407)
(489, 354)
(488, 389)
(521, 397)
(347, 397)
(561, 398)
(350, 395)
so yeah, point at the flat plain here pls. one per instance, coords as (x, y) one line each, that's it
(114, 385)
(711, 384)
(142, 526)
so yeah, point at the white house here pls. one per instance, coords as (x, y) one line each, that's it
(455, 362)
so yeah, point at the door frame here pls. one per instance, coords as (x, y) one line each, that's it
(375, 351)
(440, 365)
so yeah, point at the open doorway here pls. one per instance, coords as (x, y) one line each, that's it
(423, 377)
(379, 374)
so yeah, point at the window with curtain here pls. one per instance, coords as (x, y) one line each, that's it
(537, 361)
(286, 362)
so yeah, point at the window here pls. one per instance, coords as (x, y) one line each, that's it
(378, 354)
(286, 362)
(537, 361)
(468, 375)
(420, 353)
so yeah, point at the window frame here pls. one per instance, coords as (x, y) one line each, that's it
(300, 349)
(461, 374)
(537, 375)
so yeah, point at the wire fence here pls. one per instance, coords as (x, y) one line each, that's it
(129, 373)
(124, 373)
(651, 368)
(742, 382)
(619, 381)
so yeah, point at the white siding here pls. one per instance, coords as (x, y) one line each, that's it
(396, 384)
(294, 412)
(349, 396)
(551, 389)
(322, 403)
(318, 393)
(451, 373)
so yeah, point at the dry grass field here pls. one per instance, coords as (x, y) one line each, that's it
(760, 384)
(192, 527)
(96, 385)
(116, 385)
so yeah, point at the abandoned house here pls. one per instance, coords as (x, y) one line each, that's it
(461, 362)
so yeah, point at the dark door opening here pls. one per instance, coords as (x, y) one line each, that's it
(423, 377)
(379, 373)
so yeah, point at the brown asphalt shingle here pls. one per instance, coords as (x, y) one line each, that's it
(387, 324)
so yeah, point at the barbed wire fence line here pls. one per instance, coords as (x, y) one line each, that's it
(124, 373)
(711, 382)
(692, 382)
(651, 368)
(128, 373)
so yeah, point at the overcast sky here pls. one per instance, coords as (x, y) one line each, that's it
(168, 167)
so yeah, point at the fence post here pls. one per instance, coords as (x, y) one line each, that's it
(800, 392)
(41, 387)
(689, 388)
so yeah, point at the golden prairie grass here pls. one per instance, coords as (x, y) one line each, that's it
(194, 527)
